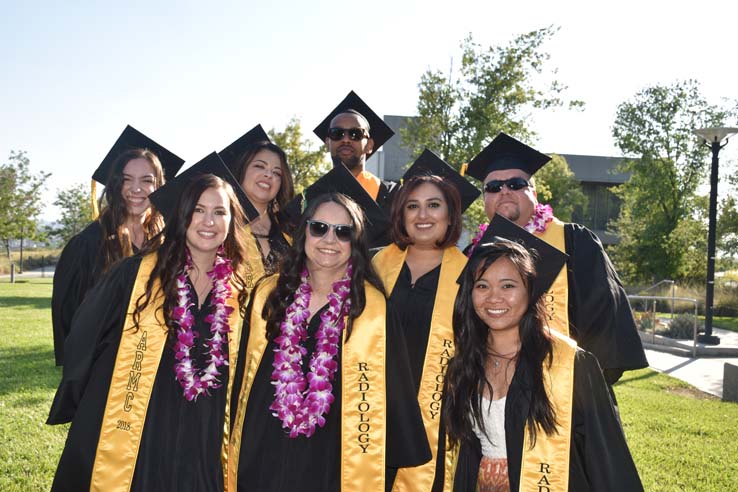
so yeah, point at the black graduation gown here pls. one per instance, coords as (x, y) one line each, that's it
(78, 269)
(600, 317)
(278, 247)
(599, 459)
(270, 461)
(415, 317)
(181, 441)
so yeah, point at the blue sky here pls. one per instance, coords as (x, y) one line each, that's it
(196, 75)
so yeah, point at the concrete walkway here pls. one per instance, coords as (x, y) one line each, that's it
(704, 373)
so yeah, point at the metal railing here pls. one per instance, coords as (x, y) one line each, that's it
(654, 300)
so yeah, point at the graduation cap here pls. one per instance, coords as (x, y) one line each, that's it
(133, 139)
(165, 198)
(547, 259)
(340, 180)
(234, 151)
(378, 129)
(430, 164)
(505, 152)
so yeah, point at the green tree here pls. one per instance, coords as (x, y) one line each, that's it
(661, 223)
(76, 210)
(727, 226)
(557, 186)
(496, 90)
(306, 163)
(20, 201)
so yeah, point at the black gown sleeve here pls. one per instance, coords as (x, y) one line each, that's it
(603, 462)
(599, 312)
(74, 274)
(407, 444)
(96, 331)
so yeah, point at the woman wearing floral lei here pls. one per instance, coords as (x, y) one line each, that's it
(321, 391)
(153, 353)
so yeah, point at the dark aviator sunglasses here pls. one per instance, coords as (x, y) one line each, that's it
(354, 134)
(513, 184)
(319, 229)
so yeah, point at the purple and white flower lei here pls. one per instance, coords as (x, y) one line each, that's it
(538, 223)
(301, 409)
(196, 381)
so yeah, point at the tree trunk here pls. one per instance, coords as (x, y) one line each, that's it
(20, 263)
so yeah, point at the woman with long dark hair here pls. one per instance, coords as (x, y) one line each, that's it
(152, 353)
(262, 169)
(127, 220)
(323, 373)
(419, 271)
(528, 409)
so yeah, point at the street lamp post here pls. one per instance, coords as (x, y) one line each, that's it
(713, 138)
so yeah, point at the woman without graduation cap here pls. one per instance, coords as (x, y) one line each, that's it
(323, 379)
(133, 168)
(528, 409)
(419, 272)
(153, 348)
(261, 168)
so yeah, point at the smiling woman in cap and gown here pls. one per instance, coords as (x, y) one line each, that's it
(133, 168)
(587, 301)
(526, 407)
(419, 272)
(262, 169)
(323, 384)
(146, 385)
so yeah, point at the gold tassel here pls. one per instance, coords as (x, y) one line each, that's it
(93, 197)
(463, 168)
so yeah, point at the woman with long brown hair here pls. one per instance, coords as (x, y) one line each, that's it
(134, 168)
(152, 352)
(526, 407)
(419, 271)
(261, 168)
(321, 402)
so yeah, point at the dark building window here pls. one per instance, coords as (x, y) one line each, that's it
(603, 206)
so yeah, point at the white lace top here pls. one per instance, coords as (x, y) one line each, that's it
(493, 439)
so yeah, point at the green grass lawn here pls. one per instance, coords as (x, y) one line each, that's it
(724, 322)
(681, 439)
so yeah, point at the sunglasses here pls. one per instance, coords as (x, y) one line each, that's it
(513, 184)
(319, 229)
(354, 134)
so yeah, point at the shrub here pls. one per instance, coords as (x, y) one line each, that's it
(682, 327)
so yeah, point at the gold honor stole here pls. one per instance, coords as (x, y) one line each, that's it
(545, 468)
(136, 364)
(370, 183)
(556, 298)
(363, 392)
(438, 352)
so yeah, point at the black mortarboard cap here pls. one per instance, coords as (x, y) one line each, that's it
(234, 151)
(133, 139)
(505, 152)
(378, 129)
(165, 198)
(340, 180)
(548, 259)
(429, 163)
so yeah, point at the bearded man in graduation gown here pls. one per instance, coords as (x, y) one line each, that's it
(352, 132)
(587, 301)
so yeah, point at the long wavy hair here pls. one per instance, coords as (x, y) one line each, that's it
(171, 250)
(294, 262)
(117, 242)
(286, 189)
(466, 377)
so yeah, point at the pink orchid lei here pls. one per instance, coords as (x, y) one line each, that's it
(538, 223)
(196, 381)
(300, 410)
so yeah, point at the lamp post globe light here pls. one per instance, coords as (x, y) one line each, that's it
(715, 138)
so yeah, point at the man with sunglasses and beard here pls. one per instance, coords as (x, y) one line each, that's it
(352, 132)
(587, 301)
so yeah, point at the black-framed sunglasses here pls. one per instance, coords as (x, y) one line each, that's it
(319, 229)
(514, 184)
(354, 134)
